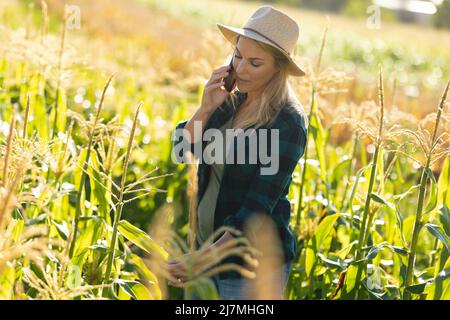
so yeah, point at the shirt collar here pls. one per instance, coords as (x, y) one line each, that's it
(228, 111)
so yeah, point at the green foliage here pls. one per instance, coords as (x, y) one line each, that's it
(336, 183)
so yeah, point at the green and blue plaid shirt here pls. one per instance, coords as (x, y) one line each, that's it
(244, 190)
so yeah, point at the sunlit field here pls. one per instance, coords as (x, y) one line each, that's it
(92, 205)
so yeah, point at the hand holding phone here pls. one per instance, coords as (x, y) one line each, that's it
(221, 83)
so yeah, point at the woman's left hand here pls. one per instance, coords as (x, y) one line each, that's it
(177, 269)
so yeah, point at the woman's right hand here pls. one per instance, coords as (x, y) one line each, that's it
(213, 93)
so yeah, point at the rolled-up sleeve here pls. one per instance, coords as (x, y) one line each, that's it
(180, 144)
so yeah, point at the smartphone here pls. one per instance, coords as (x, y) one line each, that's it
(230, 80)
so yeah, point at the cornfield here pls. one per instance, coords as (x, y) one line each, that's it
(92, 206)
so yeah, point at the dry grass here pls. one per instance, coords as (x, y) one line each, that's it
(267, 284)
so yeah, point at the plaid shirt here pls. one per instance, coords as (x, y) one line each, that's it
(244, 190)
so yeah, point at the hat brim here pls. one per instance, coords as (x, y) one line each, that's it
(231, 33)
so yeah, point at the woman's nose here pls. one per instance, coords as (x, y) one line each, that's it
(240, 68)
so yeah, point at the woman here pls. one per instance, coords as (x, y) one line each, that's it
(229, 193)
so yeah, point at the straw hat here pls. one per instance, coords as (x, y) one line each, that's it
(272, 27)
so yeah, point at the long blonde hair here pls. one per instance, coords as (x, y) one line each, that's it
(277, 94)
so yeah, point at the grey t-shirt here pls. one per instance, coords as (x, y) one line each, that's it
(207, 205)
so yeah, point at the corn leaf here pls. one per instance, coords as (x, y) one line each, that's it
(141, 239)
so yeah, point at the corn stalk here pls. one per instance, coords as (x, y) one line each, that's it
(85, 166)
(367, 219)
(118, 212)
(423, 182)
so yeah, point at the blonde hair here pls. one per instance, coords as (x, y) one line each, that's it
(278, 94)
